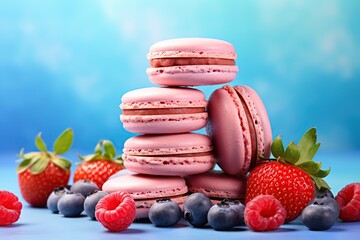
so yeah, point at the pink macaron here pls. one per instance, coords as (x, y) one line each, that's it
(191, 62)
(157, 110)
(239, 127)
(146, 189)
(169, 155)
(217, 185)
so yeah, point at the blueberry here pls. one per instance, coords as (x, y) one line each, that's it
(196, 208)
(323, 192)
(222, 217)
(71, 204)
(238, 207)
(326, 200)
(91, 201)
(54, 197)
(319, 215)
(85, 187)
(165, 213)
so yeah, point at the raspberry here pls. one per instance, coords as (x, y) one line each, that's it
(348, 200)
(10, 208)
(116, 211)
(264, 213)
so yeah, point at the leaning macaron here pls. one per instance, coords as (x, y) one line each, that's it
(146, 189)
(169, 154)
(157, 110)
(239, 127)
(192, 62)
(217, 185)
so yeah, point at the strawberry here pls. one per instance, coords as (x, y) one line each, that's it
(292, 177)
(98, 167)
(39, 173)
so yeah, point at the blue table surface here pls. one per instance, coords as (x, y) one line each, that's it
(36, 223)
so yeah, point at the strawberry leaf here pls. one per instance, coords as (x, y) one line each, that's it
(322, 173)
(320, 183)
(98, 147)
(277, 147)
(109, 149)
(40, 144)
(26, 163)
(21, 154)
(90, 157)
(308, 146)
(23, 166)
(292, 153)
(104, 150)
(310, 167)
(30, 155)
(62, 163)
(119, 161)
(81, 157)
(63, 143)
(39, 165)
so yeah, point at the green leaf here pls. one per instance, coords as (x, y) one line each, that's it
(40, 144)
(31, 154)
(310, 167)
(119, 161)
(320, 183)
(90, 157)
(322, 173)
(23, 166)
(98, 147)
(39, 165)
(62, 163)
(63, 143)
(308, 146)
(109, 149)
(81, 157)
(292, 153)
(277, 147)
(21, 154)
(26, 163)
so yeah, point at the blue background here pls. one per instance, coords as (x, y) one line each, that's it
(67, 64)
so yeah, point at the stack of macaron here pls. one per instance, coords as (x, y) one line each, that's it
(166, 151)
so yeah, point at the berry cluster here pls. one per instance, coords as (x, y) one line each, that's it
(198, 211)
(262, 213)
(84, 195)
(71, 201)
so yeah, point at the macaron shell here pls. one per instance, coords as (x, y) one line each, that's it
(229, 130)
(147, 145)
(164, 124)
(161, 97)
(192, 47)
(217, 184)
(169, 166)
(170, 155)
(141, 186)
(192, 75)
(260, 118)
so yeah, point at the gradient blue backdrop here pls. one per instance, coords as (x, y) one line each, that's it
(67, 63)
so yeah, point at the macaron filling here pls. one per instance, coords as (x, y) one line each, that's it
(170, 62)
(195, 154)
(163, 111)
(251, 125)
